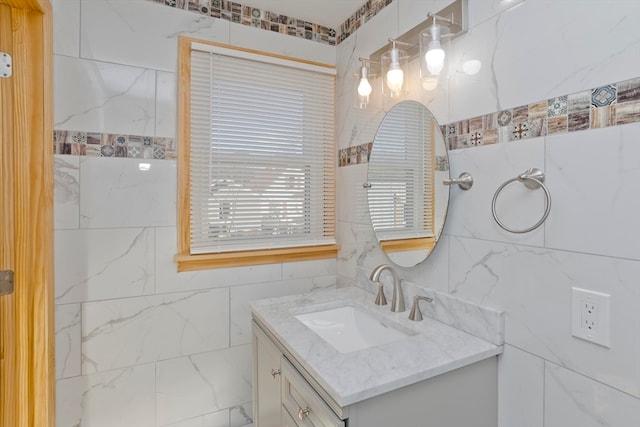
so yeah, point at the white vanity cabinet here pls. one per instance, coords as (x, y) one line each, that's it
(266, 380)
(281, 396)
(301, 402)
(463, 397)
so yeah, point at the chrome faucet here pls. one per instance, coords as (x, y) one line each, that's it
(397, 300)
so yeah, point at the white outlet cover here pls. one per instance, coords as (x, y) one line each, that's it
(600, 331)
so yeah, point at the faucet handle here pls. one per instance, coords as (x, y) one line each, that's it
(380, 298)
(415, 313)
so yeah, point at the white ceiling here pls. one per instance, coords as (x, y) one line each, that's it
(330, 13)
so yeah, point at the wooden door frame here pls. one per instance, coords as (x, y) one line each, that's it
(27, 369)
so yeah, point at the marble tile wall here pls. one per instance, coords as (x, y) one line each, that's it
(115, 74)
(121, 303)
(138, 344)
(546, 376)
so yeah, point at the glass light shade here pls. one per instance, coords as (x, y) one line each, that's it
(395, 79)
(435, 57)
(394, 62)
(364, 88)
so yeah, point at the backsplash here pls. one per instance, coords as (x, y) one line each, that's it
(112, 145)
(270, 21)
(609, 105)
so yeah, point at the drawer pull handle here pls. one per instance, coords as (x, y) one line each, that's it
(303, 413)
(275, 373)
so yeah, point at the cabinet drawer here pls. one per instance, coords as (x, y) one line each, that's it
(287, 420)
(302, 402)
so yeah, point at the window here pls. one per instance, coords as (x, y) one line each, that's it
(256, 158)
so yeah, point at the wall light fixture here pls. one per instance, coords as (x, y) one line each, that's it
(432, 48)
(426, 42)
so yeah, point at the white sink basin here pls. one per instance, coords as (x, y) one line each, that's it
(348, 329)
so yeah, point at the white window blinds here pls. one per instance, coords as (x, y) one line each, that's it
(262, 152)
(400, 194)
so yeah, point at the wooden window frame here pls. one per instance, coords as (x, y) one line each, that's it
(184, 259)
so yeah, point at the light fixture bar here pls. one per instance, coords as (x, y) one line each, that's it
(457, 23)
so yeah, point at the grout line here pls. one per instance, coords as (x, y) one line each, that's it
(550, 362)
(544, 392)
(595, 380)
(155, 261)
(80, 28)
(155, 389)
(569, 251)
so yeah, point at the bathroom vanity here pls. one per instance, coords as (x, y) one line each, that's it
(431, 374)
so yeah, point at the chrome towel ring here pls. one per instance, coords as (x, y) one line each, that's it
(532, 178)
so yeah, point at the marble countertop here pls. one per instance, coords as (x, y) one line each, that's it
(348, 378)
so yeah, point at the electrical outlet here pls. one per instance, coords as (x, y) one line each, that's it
(590, 316)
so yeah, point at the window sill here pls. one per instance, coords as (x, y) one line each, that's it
(401, 245)
(187, 262)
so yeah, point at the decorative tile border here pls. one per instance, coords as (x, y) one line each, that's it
(363, 15)
(258, 18)
(609, 105)
(112, 145)
(355, 155)
(362, 153)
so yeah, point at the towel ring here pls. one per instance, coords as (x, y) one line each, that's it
(532, 178)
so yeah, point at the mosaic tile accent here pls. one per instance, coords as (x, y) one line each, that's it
(504, 118)
(609, 105)
(628, 91)
(441, 163)
(270, 21)
(558, 106)
(603, 96)
(363, 15)
(362, 153)
(355, 155)
(475, 138)
(258, 18)
(112, 145)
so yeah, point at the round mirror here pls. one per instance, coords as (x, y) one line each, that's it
(407, 199)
